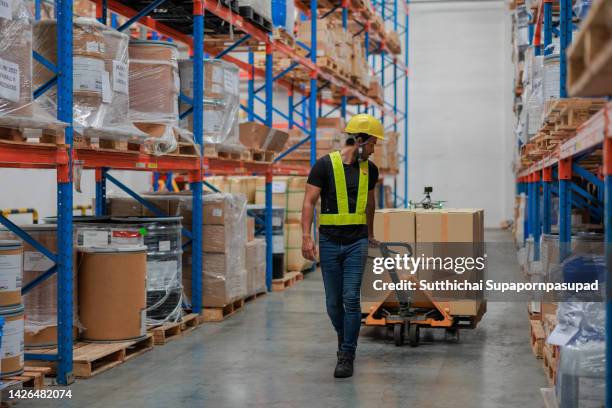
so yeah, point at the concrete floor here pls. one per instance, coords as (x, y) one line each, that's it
(280, 352)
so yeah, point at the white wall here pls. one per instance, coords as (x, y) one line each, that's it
(460, 125)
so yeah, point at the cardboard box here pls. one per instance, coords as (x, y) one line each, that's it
(250, 228)
(294, 261)
(123, 207)
(395, 225)
(257, 136)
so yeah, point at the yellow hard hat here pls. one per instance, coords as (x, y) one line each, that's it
(364, 123)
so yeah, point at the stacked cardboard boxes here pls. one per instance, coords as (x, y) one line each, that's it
(224, 274)
(448, 233)
(329, 138)
(288, 193)
(385, 154)
(256, 266)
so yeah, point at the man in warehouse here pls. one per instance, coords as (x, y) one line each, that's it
(345, 181)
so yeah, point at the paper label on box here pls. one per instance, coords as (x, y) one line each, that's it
(107, 96)
(126, 237)
(36, 262)
(10, 272)
(87, 74)
(93, 46)
(164, 245)
(94, 238)
(277, 221)
(217, 74)
(143, 322)
(12, 338)
(278, 244)
(217, 212)
(230, 85)
(9, 80)
(6, 9)
(279, 187)
(120, 77)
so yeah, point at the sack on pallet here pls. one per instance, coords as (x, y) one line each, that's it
(100, 89)
(17, 109)
(221, 100)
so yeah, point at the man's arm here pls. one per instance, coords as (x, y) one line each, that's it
(370, 209)
(311, 196)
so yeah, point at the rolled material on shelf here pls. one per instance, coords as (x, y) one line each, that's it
(16, 61)
(221, 100)
(41, 301)
(112, 301)
(154, 88)
(11, 350)
(11, 272)
(90, 79)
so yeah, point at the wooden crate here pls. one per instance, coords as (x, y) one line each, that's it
(290, 279)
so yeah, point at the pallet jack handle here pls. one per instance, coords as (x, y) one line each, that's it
(387, 252)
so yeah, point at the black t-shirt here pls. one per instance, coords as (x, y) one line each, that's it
(322, 176)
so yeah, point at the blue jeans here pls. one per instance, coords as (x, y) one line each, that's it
(342, 266)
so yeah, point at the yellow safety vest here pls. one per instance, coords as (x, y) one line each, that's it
(344, 217)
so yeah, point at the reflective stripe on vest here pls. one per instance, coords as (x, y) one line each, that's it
(344, 217)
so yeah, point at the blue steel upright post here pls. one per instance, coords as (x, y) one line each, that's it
(251, 86)
(546, 182)
(101, 191)
(536, 216)
(607, 170)
(395, 26)
(565, 208)
(313, 82)
(198, 136)
(565, 40)
(547, 25)
(345, 5)
(406, 79)
(269, 119)
(65, 287)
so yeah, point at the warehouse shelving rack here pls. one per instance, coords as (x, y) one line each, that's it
(63, 157)
(554, 173)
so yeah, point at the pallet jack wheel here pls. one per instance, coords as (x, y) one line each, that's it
(398, 334)
(414, 334)
(452, 335)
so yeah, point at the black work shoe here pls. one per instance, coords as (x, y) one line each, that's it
(344, 368)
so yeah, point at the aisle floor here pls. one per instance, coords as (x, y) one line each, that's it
(280, 352)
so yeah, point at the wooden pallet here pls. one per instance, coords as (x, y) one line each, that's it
(172, 330)
(537, 338)
(40, 137)
(590, 56)
(218, 314)
(254, 296)
(256, 18)
(32, 377)
(290, 279)
(281, 35)
(256, 155)
(90, 359)
(84, 142)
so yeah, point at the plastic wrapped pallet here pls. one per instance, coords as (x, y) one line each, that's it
(224, 277)
(100, 89)
(41, 302)
(580, 333)
(256, 266)
(15, 60)
(154, 87)
(221, 100)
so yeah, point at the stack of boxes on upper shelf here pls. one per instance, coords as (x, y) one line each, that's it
(544, 119)
(330, 137)
(125, 92)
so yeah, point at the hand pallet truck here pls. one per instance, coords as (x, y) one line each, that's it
(407, 316)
